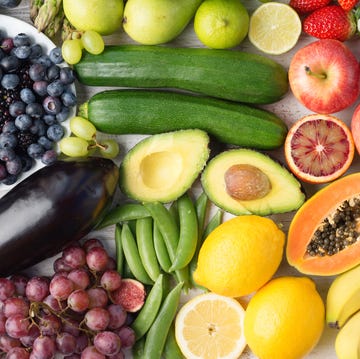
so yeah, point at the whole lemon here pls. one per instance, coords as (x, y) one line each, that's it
(240, 255)
(102, 16)
(284, 319)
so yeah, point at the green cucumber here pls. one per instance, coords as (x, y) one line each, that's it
(232, 75)
(132, 111)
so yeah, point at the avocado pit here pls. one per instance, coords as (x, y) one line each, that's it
(245, 182)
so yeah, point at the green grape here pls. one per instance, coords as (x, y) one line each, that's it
(74, 146)
(72, 51)
(82, 128)
(93, 42)
(109, 148)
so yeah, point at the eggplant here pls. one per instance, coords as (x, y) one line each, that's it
(54, 206)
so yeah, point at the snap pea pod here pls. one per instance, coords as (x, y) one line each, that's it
(149, 310)
(214, 222)
(171, 349)
(157, 334)
(145, 242)
(123, 213)
(119, 250)
(138, 349)
(201, 205)
(188, 237)
(132, 256)
(162, 254)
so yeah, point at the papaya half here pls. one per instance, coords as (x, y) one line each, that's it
(323, 235)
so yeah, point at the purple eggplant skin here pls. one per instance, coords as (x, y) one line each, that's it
(54, 206)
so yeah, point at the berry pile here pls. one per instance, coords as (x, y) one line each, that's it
(35, 98)
(83, 310)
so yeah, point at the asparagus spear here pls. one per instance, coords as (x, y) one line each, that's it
(47, 13)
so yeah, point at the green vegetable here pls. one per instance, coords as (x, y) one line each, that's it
(119, 250)
(145, 242)
(129, 111)
(201, 205)
(132, 256)
(232, 75)
(149, 311)
(172, 350)
(188, 233)
(162, 254)
(157, 334)
(138, 349)
(214, 222)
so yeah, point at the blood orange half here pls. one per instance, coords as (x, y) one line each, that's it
(319, 148)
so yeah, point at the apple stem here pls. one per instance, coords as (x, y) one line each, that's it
(315, 74)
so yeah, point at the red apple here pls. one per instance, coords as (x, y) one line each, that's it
(324, 76)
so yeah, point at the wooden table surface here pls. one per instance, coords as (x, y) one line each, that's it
(288, 109)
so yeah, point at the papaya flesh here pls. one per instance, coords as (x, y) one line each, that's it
(323, 237)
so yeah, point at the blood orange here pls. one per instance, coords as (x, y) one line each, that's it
(319, 148)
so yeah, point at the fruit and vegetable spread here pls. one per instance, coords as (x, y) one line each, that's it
(179, 179)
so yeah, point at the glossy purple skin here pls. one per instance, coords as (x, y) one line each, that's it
(58, 204)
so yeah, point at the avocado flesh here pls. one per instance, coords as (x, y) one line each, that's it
(285, 194)
(162, 167)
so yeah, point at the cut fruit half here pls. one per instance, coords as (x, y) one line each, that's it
(319, 148)
(211, 326)
(274, 28)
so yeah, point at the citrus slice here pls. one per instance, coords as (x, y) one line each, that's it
(274, 28)
(319, 148)
(211, 326)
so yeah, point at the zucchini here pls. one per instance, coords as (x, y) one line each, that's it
(134, 111)
(231, 75)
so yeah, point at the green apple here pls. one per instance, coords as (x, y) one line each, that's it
(153, 22)
(102, 16)
(221, 24)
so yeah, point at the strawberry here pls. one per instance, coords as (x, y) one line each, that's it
(330, 22)
(306, 6)
(347, 5)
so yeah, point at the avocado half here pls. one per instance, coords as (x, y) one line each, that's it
(281, 191)
(164, 166)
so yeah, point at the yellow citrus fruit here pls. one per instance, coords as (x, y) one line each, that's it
(284, 319)
(102, 16)
(221, 24)
(274, 28)
(240, 255)
(211, 326)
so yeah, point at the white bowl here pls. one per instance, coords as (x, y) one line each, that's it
(12, 26)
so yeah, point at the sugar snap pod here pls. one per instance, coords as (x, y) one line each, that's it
(58, 204)
(323, 234)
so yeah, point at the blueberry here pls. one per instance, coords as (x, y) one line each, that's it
(36, 51)
(44, 60)
(17, 108)
(10, 81)
(34, 110)
(37, 72)
(22, 39)
(38, 127)
(27, 162)
(22, 52)
(7, 154)
(9, 127)
(27, 95)
(1, 74)
(8, 140)
(53, 72)
(35, 150)
(55, 132)
(63, 114)
(23, 122)
(10, 63)
(40, 87)
(55, 55)
(14, 166)
(49, 157)
(2, 54)
(67, 75)
(52, 105)
(9, 179)
(45, 142)
(55, 88)
(49, 119)
(3, 172)
(68, 98)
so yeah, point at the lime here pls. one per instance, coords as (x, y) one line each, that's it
(221, 24)
(274, 28)
(102, 16)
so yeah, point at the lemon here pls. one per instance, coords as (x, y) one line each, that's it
(102, 16)
(240, 255)
(284, 319)
(221, 24)
(274, 28)
(211, 326)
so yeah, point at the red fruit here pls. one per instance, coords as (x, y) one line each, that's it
(330, 22)
(355, 127)
(347, 5)
(130, 295)
(306, 6)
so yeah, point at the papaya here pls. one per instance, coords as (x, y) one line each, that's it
(323, 234)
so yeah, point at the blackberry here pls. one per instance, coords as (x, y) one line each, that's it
(25, 139)
(7, 97)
